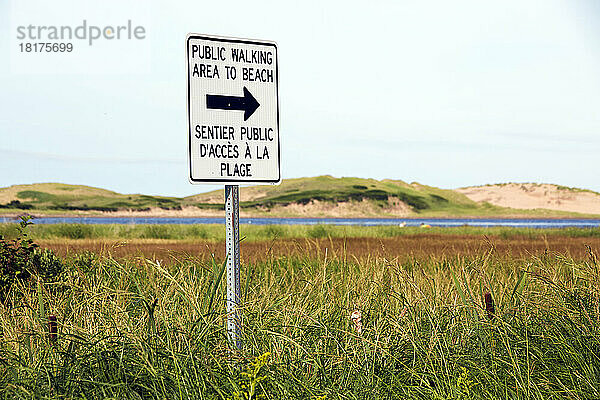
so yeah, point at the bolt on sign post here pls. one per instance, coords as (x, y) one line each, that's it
(233, 132)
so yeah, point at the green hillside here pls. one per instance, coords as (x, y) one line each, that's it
(418, 198)
(315, 196)
(62, 197)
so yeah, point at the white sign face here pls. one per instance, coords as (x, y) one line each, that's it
(233, 110)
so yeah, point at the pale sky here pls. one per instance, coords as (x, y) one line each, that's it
(446, 93)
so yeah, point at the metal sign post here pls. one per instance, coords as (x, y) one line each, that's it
(233, 132)
(232, 238)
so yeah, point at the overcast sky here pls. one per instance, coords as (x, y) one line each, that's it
(446, 93)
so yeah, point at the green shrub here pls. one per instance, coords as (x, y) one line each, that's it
(17, 204)
(15, 256)
(83, 261)
(46, 264)
(20, 257)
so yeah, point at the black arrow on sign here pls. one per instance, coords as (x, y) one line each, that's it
(247, 104)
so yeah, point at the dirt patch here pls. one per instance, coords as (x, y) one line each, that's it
(420, 246)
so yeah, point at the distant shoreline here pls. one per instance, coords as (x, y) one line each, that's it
(399, 219)
(314, 197)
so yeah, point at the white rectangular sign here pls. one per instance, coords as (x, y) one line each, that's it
(233, 110)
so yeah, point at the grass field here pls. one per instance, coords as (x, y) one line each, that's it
(140, 325)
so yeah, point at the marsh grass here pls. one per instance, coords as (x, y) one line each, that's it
(138, 329)
(264, 232)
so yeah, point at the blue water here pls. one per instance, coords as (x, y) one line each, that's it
(481, 222)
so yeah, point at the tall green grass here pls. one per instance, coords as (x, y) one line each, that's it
(266, 232)
(136, 329)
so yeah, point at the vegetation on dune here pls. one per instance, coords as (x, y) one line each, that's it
(293, 191)
(375, 197)
(16, 204)
(480, 327)
(335, 190)
(59, 197)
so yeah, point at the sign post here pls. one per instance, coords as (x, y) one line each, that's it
(232, 251)
(233, 132)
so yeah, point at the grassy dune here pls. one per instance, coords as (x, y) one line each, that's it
(140, 329)
(316, 196)
(62, 197)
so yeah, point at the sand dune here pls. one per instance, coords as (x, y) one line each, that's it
(528, 196)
